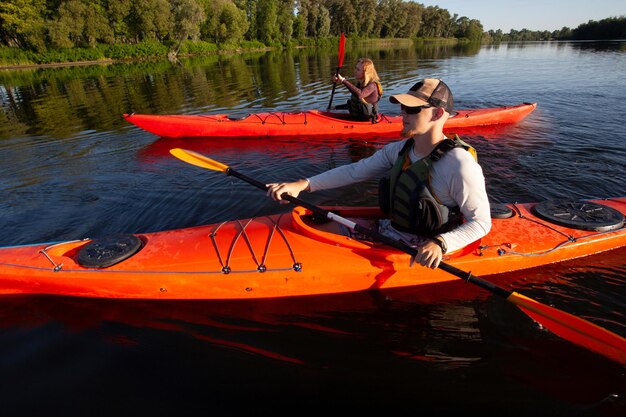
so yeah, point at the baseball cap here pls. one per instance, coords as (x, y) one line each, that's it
(427, 91)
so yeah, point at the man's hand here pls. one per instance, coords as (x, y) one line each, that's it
(276, 190)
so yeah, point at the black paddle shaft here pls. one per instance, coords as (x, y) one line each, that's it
(466, 276)
(330, 103)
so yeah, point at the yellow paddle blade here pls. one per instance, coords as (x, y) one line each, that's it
(573, 329)
(197, 159)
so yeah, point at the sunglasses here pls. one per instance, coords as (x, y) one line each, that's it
(413, 110)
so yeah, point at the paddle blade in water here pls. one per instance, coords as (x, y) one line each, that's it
(342, 48)
(573, 329)
(197, 159)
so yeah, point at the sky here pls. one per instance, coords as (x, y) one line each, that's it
(531, 14)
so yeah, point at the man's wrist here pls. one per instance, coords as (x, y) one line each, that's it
(441, 243)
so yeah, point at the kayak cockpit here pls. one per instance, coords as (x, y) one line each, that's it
(327, 231)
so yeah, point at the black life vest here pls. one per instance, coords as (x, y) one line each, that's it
(406, 196)
(361, 109)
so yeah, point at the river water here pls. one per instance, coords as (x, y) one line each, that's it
(71, 167)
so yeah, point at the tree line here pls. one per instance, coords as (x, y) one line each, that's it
(40, 25)
(43, 25)
(609, 28)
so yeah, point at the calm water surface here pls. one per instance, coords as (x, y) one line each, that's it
(71, 167)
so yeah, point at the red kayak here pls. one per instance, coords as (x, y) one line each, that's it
(310, 123)
(292, 254)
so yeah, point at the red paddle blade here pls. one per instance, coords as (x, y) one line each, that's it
(573, 329)
(342, 48)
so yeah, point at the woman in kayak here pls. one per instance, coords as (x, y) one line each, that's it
(435, 191)
(363, 103)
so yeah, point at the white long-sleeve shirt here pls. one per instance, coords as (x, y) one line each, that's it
(456, 179)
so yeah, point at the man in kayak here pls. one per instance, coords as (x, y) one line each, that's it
(434, 192)
(363, 103)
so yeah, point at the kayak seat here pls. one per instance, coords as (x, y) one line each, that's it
(108, 251)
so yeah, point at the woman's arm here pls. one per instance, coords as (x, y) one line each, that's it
(368, 93)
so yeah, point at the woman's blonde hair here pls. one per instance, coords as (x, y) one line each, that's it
(369, 72)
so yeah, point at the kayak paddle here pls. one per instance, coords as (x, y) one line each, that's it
(342, 45)
(565, 325)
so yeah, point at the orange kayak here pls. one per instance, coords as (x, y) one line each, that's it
(290, 255)
(310, 123)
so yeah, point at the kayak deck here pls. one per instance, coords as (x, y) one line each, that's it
(310, 123)
(289, 255)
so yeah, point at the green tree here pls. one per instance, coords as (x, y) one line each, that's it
(496, 36)
(461, 24)
(564, 33)
(309, 12)
(224, 22)
(208, 28)
(234, 22)
(285, 21)
(411, 27)
(250, 8)
(149, 20)
(392, 18)
(467, 28)
(299, 27)
(117, 12)
(609, 28)
(545, 35)
(342, 16)
(266, 15)
(187, 16)
(97, 28)
(365, 11)
(66, 30)
(315, 18)
(322, 22)
(436, 23)
(22, 24)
